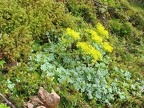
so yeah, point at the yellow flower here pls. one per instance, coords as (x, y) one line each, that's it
(95, 37)
(87, 49)
(107, 47)
(101, 30)
(73, 34)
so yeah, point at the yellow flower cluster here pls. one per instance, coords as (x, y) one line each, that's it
(90, 50)
(98, 39)
(73, 34)
(95, 37)
(107, 47)
(101, 30)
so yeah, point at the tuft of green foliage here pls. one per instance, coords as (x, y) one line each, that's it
(15, 37)
(46, 15)
(84, 9)
(3, 106)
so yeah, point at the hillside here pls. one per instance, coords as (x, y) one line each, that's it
(89, 52)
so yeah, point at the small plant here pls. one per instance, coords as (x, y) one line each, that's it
(91, 44)
(3, 105)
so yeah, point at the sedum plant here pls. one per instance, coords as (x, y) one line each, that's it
(94, 82)
(70, 64)
(94, 46)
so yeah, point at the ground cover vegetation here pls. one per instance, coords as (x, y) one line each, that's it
(91, 52)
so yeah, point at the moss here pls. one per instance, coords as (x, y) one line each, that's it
(33, 26)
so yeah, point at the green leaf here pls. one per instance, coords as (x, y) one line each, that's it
(2, 63)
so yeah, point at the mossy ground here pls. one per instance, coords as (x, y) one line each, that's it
(30, 29)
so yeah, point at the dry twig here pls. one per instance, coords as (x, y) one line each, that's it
(7, 101)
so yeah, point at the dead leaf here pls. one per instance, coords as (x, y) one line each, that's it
(30, 105)
(50, 100)
(55, 97)
(44, 99)
(36, 101)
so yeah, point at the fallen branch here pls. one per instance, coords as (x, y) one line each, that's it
(7, 101)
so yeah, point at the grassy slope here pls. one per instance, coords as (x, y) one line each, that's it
(125, 20)
(129, 45)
